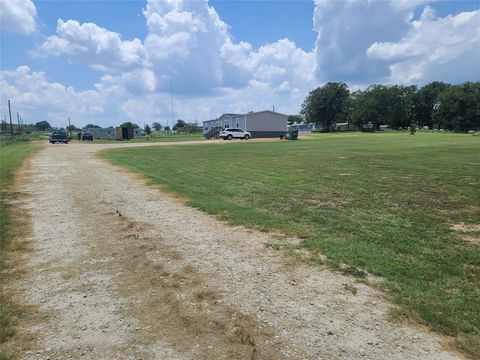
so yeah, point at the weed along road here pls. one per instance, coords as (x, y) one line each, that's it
(121, 270)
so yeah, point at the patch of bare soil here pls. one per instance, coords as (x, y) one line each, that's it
(465, 231)
(125, 271)
(465, 228)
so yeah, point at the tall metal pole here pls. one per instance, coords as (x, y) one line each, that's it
(171, 99)
(18, 122)
(10, 114)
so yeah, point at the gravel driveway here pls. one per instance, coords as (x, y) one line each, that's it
(121, 270)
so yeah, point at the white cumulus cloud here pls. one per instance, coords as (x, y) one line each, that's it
(346, 29)
(445, 48)
(38, 99)
(184, 43)
(187, 43)
(93, 45)
(369, 41)
(18, 16)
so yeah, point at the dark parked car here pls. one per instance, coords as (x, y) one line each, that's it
(59, 136)
(290, 135)
(87, 136)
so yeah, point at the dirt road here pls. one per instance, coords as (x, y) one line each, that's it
(123, 271)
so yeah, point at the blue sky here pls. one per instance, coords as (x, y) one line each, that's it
(111, 60)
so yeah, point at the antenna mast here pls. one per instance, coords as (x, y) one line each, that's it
(171, 98)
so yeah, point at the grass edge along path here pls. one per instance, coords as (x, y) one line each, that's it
(379, 202)
(11, 158)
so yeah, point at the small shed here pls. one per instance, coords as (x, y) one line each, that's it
(124, 133)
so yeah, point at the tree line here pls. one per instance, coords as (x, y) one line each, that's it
(180, 126)
(437, 105)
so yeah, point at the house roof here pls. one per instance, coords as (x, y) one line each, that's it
(259, 112)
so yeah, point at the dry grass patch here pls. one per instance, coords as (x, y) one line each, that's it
(173, 303)
(13, 338)
(462, 227)
(467, 232)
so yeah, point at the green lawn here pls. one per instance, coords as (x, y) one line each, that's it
(383, 203)
(11, 157)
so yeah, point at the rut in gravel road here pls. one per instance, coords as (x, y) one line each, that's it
(122, 270)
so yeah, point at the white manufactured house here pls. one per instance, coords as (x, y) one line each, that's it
(109, 133)
(101, 133)
(260, 124)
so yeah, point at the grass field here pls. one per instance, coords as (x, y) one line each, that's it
(384, 203)
(11, 157)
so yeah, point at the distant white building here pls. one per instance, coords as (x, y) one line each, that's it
(260, 124)
(305, 128)
(101, 133)
(138, 132)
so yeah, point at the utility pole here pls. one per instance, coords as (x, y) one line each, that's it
(69, 128)
(10, 114)
(18, 122)
(171, 99)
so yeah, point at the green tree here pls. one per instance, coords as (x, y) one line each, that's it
(92, 126)
(71, 128)
(383, 105)
(458, 108)
(327, 105)
(157, 126)
(192, 128)
(179, 125)
(425, 101)
(366, 106)
(129, 124)
(43, 125)
(400, 106)
(294, 119)
(148, 130)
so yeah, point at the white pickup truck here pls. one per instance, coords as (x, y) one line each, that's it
(229, 134)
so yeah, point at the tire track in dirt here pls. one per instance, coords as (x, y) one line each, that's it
(166, 281)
